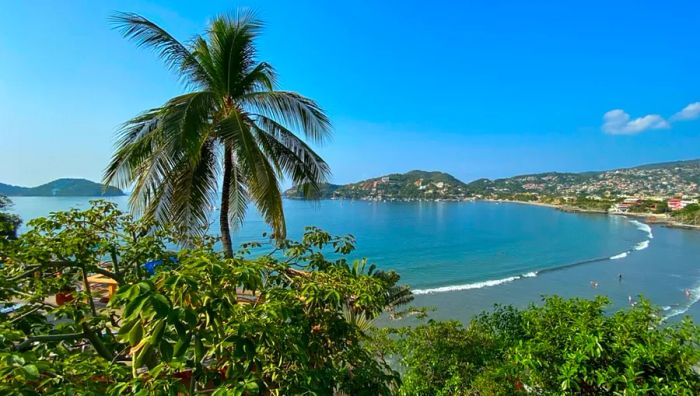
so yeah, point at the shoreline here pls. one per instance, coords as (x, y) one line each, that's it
(650, 218)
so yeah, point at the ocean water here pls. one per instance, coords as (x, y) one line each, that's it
(463, 257)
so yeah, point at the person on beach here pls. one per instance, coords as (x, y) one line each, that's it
(619, 278)
(688, 293)
(594, 284)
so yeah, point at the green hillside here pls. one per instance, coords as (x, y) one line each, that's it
(662, 179)
(412, 185)
(326, 190)
(62, 188)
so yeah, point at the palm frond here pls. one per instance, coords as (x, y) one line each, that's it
(238, 196)
(186, 117)
(232, 50)
(396, 295)
(134, 145)
(193, 189)
(182, 193)
(156, 130)
(262, 179)
(261, 78)
(201, 51)
(265, 190)
(363, 323)
(175, 55)
(292, 110)
(158, 150)
(297, 160)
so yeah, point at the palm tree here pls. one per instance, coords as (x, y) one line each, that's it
(233, 127)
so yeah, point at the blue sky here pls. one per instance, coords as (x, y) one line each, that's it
(477, 89)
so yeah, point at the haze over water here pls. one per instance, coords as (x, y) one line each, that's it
(463, 257)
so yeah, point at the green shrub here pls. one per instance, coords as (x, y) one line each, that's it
(563, 347)
(271, 324)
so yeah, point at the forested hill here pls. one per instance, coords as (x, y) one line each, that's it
(62, 188)
(326, 190)
(411, 185)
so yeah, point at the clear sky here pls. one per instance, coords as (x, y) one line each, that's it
(477, 89)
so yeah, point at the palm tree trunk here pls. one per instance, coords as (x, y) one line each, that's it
(223, 215)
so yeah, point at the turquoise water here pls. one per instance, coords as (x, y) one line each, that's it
(462, 257)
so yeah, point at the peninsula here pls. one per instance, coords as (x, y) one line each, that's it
(411, 186)
(62, 188)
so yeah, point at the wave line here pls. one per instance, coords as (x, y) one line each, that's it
(475, 285)
(495, 282)
(695, 293)
(643, 227)
(619, 256)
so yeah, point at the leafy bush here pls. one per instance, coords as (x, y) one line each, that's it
(8, 222)
(274, 324)
(562, 347)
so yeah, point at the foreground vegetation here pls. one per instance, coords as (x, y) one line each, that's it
(296, 320)
(8, 221)
(282, 323)
(561, 347)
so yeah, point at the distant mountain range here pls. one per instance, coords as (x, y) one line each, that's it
(662, 179)
(62, 188)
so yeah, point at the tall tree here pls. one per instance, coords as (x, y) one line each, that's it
(232, 130)
(8, 221)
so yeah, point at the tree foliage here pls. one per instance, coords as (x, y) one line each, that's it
(688, 215)
(562, 347)
(272, 324)
(8, 221)
(233, 133)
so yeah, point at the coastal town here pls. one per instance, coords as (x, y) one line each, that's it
(666, 192)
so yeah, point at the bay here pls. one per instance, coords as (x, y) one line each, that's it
(463, 257)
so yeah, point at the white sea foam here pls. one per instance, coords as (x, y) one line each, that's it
(642, 245)
(694, 298)
(476, 285)
(619, 256)
(643, 227)
(467, 286)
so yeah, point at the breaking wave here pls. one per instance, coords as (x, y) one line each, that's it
(694, 298)
(642, 245)
(496, 282)
(643, 227)
(475, 285)
(619, 256)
